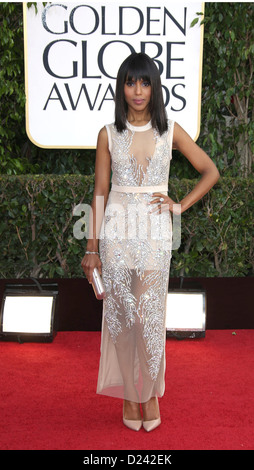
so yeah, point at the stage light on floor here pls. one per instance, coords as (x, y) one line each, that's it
(186, 314)
(28, 314)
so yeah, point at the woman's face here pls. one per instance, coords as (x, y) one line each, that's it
(137, 94)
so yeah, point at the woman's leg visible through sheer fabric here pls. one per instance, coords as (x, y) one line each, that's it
(126, 355)
(148, 328)
(149, 333)
(132, 346)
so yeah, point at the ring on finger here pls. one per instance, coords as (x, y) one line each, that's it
(161, 199)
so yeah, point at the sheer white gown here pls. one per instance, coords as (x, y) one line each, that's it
(135, 250)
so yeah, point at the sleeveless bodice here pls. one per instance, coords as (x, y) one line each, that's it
(140, 156)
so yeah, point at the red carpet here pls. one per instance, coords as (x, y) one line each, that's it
(48, 400)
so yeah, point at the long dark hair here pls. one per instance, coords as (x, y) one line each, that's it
(136, 67)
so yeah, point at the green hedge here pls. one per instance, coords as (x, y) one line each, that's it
(36, 227)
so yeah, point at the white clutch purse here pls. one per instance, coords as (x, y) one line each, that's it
(98, 285)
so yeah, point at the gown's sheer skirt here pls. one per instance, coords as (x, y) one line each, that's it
(135, 249)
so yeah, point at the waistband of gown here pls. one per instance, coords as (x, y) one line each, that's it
(139, 189)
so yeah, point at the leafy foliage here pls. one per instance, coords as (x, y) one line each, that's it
(217, 232)
(12, 94)
(228, 86)
(38, 240)
(216, 239)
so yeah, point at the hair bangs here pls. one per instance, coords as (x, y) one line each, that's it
(134, 78)
(139, 69)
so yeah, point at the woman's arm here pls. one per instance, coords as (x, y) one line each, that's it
(101, 189)
(200, 161)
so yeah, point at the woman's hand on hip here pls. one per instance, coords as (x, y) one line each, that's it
(164, 203)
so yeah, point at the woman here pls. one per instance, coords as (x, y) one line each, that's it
(135, 237)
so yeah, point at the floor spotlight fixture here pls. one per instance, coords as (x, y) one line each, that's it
(28, 312)
(186, 313)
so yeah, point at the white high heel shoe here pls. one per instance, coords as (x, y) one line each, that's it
(151, 425)
(133, 424)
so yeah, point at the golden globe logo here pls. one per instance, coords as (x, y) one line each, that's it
(73, 52)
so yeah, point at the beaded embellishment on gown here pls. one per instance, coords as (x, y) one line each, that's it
(135, 250)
